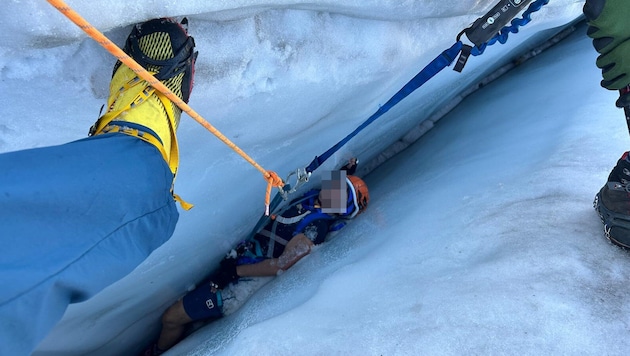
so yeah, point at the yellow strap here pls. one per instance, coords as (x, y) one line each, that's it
(110, 115)
(144, 136)
(186, 206)
(173, 162)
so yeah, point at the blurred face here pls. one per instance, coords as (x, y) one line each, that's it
(333, 196)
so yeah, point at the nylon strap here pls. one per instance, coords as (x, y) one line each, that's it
(440, 62)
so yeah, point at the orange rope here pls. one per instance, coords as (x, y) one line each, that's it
(271, 177)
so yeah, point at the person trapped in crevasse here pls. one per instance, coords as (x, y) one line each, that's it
(79, 216)
(287, 237)
(609, 27)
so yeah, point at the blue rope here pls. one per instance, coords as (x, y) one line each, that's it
(502, 36)
(440, 62)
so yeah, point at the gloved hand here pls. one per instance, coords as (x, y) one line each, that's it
(615, 66)
(226, 273)
(610, 29)
(608, 23)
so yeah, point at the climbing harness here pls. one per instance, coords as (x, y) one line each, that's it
(357, 202)
(306, 214)
(273, 180)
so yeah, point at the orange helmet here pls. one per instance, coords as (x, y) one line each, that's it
(359, 194)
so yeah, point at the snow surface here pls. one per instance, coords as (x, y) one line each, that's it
(480, 238)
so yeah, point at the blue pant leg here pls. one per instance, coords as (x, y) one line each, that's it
(75, 218)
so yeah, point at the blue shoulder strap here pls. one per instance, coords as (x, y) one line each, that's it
(315, 215)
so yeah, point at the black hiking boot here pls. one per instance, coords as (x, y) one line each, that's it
(612, 203)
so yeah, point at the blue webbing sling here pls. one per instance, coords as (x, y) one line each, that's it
(440, 62)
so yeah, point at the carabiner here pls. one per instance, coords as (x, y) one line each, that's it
(301, 177)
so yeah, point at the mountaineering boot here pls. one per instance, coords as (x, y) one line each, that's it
(163, 48)
(612, 203)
